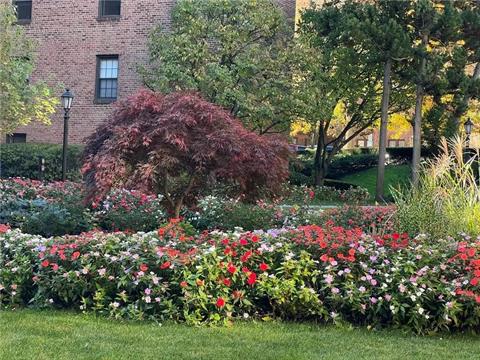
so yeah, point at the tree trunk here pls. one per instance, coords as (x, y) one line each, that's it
(382, 147)
(319, 162)
(417, 120)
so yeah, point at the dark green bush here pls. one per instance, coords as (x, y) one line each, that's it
(56, 220)
(23, 160)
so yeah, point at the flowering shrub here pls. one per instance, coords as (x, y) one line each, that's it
(130, 209)
(318, 195)
(374, 219)
(57, 208)
(327, 274)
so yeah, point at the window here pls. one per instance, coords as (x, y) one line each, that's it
(24, 10)
(109, 8)
(16, 138)
(107, 79)
(396, 143)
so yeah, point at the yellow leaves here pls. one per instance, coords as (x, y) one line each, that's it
(300, 126)
(399, 125)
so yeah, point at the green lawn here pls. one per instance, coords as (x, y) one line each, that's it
(394, 176)
(59, 335)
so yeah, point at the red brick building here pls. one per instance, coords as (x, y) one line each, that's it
(92, 47)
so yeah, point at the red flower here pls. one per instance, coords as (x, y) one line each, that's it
(227, 282)
(474, 281)
(220, 302)
(351, 252)
(463, 256)
(471, 252)
(263, 267)
(165, 265)
(45, 263)
(245, 269)
(243, 242)
(254, 238)
(252, 278)
(246, 256)
(225, 241)
(4, 228)
(144, 267)
(324, 257)
(231, 269)
(75, 255)
(183, 284)
(54, 267)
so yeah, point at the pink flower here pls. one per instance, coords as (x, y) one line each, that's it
(402, 288)
(329, 279)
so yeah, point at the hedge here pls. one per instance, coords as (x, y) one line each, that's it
(23, 160)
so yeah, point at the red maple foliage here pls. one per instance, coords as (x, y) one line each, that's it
(174, 145)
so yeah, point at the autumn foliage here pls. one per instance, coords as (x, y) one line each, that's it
(176, 144)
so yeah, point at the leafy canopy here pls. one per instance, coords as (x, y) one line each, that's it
(234, 52)
(21, 101)
(177, 144)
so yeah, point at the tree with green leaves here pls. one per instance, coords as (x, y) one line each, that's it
(339, 66)
(21, 101)
(234, 52)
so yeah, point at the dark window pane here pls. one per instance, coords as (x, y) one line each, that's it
(16, 138)
(109, 7)
(24, 9)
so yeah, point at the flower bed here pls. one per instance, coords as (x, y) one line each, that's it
(328, 274)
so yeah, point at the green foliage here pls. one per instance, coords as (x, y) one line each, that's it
(446, 201)
(20, 100)
(23, 160)
(55, 220)
(233, 52)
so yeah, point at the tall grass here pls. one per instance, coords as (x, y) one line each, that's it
(446, 200)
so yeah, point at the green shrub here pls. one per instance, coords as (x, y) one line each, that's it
(56, 220)
(23, 160)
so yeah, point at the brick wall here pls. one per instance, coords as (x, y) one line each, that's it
(69, 37)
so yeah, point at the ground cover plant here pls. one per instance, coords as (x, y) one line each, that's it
(327, 274)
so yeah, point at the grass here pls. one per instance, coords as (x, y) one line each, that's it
(62, 335)
(395, 175)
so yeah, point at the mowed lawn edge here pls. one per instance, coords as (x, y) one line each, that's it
(29, 334)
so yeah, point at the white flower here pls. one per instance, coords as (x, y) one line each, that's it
(115, 304)
(148, 299)
(421, 310)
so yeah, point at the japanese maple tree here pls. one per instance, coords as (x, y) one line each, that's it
(175, 145)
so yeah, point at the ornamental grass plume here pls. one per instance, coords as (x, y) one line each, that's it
(446, 201)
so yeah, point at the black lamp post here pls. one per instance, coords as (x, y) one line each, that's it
(67, 99)
(468, 126)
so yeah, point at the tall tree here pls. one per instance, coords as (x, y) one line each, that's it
(338, 67)
(21, 101)
(388, 36)
(234, 52)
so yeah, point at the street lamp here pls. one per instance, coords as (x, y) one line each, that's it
(67, 99)
(468, 126)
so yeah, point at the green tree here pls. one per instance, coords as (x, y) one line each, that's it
(340, 65)
(234, 52)
(21, 101)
